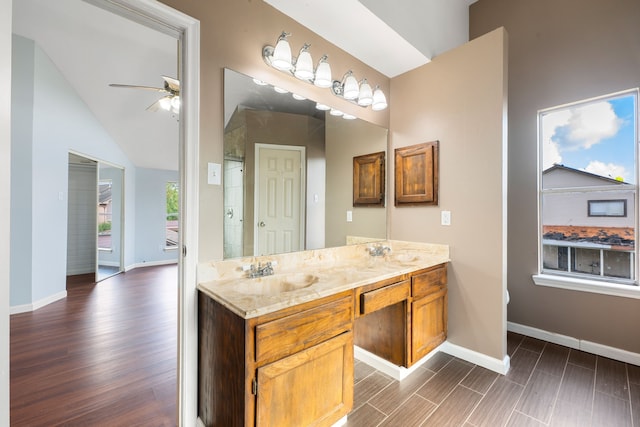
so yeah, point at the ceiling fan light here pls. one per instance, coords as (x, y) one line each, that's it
(165, 103)
(323, 73)
(350, 87)
(281, 58)
(365, 96)
(304, 64)
(379, 100)
(175, 104)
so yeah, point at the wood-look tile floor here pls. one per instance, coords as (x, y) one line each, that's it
(548, 385)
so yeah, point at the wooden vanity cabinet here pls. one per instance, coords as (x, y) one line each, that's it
(292, 367)
(428, 311)
(403, 318)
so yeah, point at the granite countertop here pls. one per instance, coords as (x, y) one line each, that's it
(308, 275)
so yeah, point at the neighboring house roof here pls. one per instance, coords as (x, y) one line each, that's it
(104, 196)
(620, 238)
(559, 167)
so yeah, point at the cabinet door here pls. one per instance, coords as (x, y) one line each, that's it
(429, 321)
(311, 388)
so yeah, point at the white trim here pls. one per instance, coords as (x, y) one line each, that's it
(578, 344)
(394, 371)
(24, 308)
(400, 372)
(480, 359)
(150, 264)
(187, 29)
(586, 285)
(109, 263)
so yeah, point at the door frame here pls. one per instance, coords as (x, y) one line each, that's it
(186, 30)
(303, 189)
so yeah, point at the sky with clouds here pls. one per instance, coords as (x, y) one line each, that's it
(597, 137)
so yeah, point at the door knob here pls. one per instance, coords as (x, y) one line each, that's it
(261, 224)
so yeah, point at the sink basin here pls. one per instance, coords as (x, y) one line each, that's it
(403, 257)
(274, 285)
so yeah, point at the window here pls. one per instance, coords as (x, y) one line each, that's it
(607, 208)
(588, 159)
(172, 220)
(105, 214)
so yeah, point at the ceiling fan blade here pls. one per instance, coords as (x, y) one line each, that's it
(173, 84)
(155, 89)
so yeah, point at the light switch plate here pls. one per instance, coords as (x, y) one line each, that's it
(349, 216)
(213, 173)
(445, 217)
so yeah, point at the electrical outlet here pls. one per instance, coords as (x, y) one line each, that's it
(445, 217)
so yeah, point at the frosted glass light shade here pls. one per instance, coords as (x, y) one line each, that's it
(351, 89)
(322, 107)
(165, 103)
(365, 96)
(335, 112)
(304, 65)
(379, 100)
(281, 58)
(323, 74)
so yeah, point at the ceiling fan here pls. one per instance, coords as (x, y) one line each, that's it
(169, 102)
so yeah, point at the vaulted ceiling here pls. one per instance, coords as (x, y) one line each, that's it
(93, 48)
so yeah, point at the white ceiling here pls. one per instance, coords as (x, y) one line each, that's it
(93, 48)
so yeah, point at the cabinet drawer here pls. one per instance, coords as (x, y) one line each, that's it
(290, 334)
(383, 297)
(429, 281)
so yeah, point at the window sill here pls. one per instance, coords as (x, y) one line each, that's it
(585, 285)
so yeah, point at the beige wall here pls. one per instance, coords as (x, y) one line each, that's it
(459, 99)
(346, 139)
(232, 35)
(559, 52)
(5, 170)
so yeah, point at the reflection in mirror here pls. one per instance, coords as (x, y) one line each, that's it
(288, 172)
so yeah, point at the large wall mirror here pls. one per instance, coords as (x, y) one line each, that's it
(288, 172)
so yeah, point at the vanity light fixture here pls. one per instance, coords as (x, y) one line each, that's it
(280, 58)
(298, 97)
(336, 113)
(280, 90)
(322, 107)
(379, 100)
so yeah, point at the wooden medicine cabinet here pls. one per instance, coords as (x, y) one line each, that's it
(416, 174)
(368, 179)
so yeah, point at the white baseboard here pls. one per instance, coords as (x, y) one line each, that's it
(578, 344)
(480, 359)
(37, 304)
(150, 264)
(394, 371)
(109, 263)
(400, 372)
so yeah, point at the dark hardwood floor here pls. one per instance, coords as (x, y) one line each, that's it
(106, 356)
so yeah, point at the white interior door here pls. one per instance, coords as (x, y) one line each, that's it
(279, 199)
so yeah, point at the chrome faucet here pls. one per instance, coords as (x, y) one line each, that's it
(260, 270)
(378, 250)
